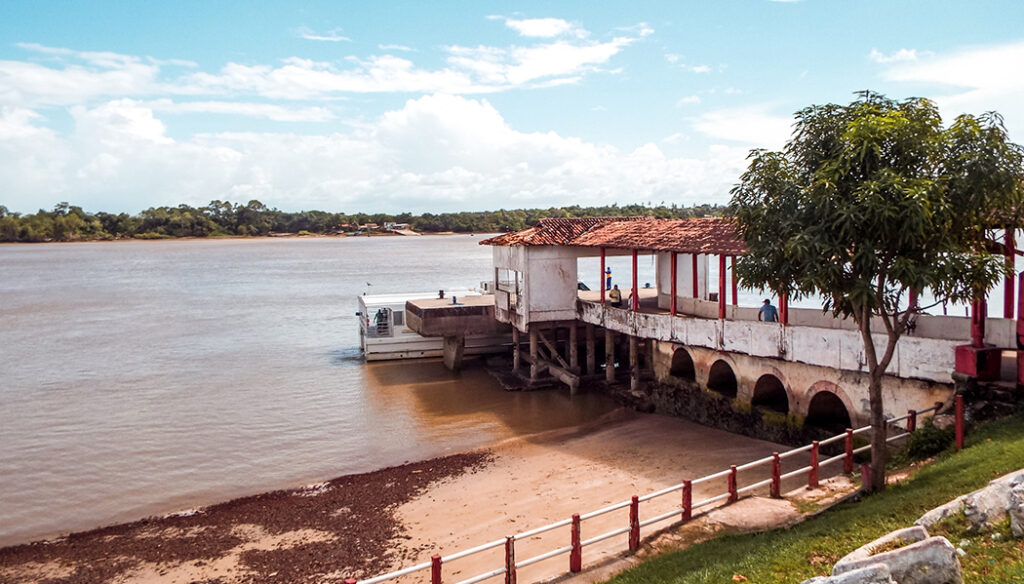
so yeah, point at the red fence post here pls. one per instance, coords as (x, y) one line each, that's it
(634, 524)
(435, 569)
(576, 554)
(776, 475)
(848, 460)
(911, 420)
(733, 495)
(510, 559)
(687, 500)
(812, 477)
(959, 422)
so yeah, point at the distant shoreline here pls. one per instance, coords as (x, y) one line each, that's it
(221, 237)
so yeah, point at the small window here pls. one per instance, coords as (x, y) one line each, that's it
(399, 317)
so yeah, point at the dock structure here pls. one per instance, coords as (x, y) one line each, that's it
(455, 319)
(679, 332)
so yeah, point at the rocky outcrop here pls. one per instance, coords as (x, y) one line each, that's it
(986, 506)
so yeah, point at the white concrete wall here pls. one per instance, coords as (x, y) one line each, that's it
(549, 280)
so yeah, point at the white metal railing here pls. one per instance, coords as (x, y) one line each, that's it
(683, 512)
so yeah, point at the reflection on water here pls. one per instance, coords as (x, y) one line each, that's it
(145, 377)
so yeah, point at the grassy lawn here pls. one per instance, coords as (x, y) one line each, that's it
(810, 548)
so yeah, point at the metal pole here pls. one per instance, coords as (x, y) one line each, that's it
(634, 524)
(735, 284)
(435, 569)
(812, 477)
(733, 494)
(687, 500)
(510, 559)
(848, 460)
(576, 554)
(776, 476)
(721, 286)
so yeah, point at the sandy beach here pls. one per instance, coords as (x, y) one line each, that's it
(364, 525)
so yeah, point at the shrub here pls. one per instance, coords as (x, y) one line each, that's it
(928, 440)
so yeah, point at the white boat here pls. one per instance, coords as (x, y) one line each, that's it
(383, 333)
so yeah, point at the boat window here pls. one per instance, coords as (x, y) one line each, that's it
(399, 317)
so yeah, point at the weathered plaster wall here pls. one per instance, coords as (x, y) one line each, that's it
(550, 279)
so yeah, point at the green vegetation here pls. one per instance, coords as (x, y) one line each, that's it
(811, 548)
(221, 218)
(871, 202)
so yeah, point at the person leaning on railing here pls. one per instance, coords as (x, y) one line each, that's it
(615, 295)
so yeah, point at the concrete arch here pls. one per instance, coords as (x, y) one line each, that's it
(770, 393)
(682, 365)
(722, 379)
(828, 406)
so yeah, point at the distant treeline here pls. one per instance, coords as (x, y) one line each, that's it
(222, 218)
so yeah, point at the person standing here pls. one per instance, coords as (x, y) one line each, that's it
(768, 313)
(615, 296)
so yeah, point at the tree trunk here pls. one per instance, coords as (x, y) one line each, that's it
(879, 448)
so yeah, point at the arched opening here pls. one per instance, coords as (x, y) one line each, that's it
(769, 393)
(722, 380)
(682, 365)
(828, 411)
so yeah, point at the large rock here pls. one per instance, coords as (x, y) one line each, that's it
(930, 561)
(1016, 510)
(873, 574)
(983, 507)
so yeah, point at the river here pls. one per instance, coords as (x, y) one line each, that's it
(141, 378)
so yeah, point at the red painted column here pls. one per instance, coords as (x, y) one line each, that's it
(687, 500)
(435, 569)
(978, 309)
(783, 309)
(812, 477)
(634, 524)
(911, 420)
(696, 289)
(735, 284)
(1009, 249)
(510, 560)
(721, 286)
(672, 271)
(576, 553)
(602, 279)
(848, 459)
(1020, 331)
(636, 290)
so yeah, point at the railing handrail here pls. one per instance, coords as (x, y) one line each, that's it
(633, 529)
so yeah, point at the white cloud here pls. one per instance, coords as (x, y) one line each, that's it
(542, 27)
(688, 100)
(701, 69)
(395, 48)
(333, 36)
(259, 110)
(439, 152)
(900, 55)
(972, 80)
(752, 126)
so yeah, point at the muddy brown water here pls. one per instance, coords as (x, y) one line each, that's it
(141, 378)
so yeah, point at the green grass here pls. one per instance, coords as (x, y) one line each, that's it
(810, 548)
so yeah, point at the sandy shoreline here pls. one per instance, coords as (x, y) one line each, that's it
(366, 524)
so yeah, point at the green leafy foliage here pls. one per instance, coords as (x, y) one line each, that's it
(871, 200)
(928, 440)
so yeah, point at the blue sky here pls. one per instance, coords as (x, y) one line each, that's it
(394, 106)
